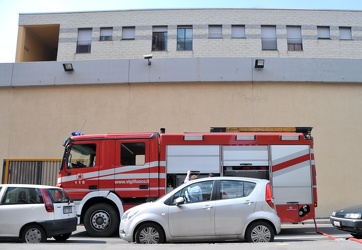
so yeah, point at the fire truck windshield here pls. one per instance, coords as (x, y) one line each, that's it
(82, 156)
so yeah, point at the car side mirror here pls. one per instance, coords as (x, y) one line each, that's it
(179, 200)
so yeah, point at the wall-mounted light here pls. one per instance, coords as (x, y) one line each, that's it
(148, 57)
(259, 63)
(68, 67)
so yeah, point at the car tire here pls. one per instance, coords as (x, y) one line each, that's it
(101, 220)
(149, 233)
(33, 233)
(62, 237)
(259, 231)
(357, 236)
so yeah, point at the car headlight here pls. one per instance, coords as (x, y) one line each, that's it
(334, 213)
(352, 216)
(128, 215)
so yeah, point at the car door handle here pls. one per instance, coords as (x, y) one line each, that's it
(248, 202)
(207, 207)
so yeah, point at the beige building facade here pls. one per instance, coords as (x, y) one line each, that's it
(202, 74)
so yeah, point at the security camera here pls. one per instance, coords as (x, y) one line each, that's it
(147, 56)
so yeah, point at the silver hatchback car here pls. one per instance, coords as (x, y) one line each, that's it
(208, 209)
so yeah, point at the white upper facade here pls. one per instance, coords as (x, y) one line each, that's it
(200, 33)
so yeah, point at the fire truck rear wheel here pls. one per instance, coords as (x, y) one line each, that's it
(101, 220)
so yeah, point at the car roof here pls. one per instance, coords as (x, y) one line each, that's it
(231, 178)
(28, 186)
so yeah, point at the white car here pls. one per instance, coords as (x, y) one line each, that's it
(34, 213)
(229, 208)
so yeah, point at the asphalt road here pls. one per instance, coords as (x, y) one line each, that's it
(292, 237)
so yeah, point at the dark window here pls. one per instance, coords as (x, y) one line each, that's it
(22, 195)
(133, 153)
(84, 41)
(184, 38)
(159, 38)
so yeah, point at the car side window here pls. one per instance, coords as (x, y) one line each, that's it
(230, 189)
(196, 192)
(21, 195)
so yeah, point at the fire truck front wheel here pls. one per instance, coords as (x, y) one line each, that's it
(101, 220)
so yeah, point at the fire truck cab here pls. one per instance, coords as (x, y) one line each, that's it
(105, 174)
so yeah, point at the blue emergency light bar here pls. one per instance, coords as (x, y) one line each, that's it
(76, 133)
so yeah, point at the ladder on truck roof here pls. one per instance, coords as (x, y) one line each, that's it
(305, 130)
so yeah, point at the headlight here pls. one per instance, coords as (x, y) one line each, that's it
(334, 213)
(128, 215)
(352, 216)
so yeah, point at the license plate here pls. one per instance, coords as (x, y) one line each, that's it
(337, 223)
(67, 210)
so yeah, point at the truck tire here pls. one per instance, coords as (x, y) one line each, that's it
(101, 220)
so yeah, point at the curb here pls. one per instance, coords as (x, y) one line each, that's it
(317, 220)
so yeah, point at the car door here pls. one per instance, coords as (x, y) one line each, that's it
(234, 204)
(193, 218)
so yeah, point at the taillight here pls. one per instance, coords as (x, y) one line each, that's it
(269, 196)
(49, 206)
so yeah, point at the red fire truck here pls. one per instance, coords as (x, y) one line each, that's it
(106, 174)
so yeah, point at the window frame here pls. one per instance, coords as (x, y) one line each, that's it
(83, 162)
(106, 34)
(230, 195)
(132, 149)
(215, 31)
(29, 192)
(294, 43)
(237, 29)
(269, 39)
(184, 42)
(323, 32)
(129, 33)
(346, 32)
(159, 44)
(84, 41)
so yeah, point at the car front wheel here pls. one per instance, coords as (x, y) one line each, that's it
(33, 234)
(259, 231)
(150, 233)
